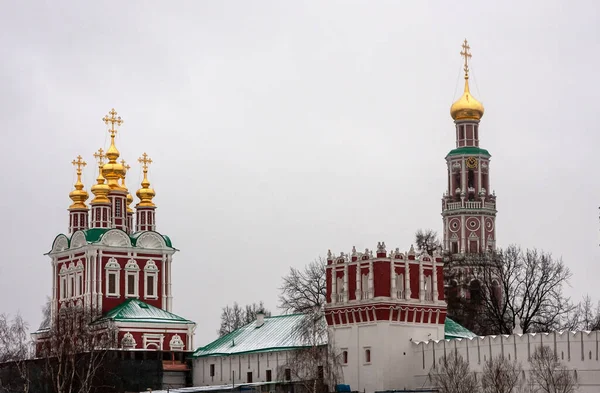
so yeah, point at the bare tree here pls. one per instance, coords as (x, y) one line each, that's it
(15, 347)
(234, 317)
(74, 351)
(585, 316)
(454, 376)
(304, 291)
(427, 240)
(501, 375)
(514, 285)
(548, 375)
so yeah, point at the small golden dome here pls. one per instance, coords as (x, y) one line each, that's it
(129, 197)
(146, 194)
(78, 195)
(100, 190)
(112, 170)
(466, 107)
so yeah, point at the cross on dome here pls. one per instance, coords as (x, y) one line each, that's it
(145, 161)
(466, 55)
(100, 156)
(79, 164)
(113, 119)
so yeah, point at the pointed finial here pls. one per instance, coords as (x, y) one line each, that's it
(466, 54)
(129, 197)
(114, 171)
(100, 190)
(78, 195)
(145, 193)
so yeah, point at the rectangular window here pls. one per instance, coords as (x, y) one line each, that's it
(118, 207)
(269, 377)
(249, 377)
(71, 285)
(454, 247)
(79, 284)
(212, 370)
(345, 357)
(63, 287)
(150, 286)
(288, 374)
(473, 246)
(131, 289)
(112, 284)
(462, 132)
(367, 355)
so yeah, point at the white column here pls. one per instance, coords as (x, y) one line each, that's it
(371, 283)
(93, 283)
(333, 284)
(54, 285)
(463, 239)
(421, 282)
(99, 280)
(482, 243)
(407, 292)
(393, 278)
(170, 293)
(163, 284)
(435, 282)
(358, 281)
(345, 282)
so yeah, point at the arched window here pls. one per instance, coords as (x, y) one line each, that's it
(475, 291)
(132, 279)
(112, 277)
(367, 355)
(151, 280)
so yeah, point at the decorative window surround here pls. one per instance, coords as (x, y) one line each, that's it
(150, 280)
(176, 343)
(153, 341)
(112, 273)
(128, 341)
(132, 270)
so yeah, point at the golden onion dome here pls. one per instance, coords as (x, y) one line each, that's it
(129, 196)
(78, 195)
(112, 171)
(100, 190)
(146, 194)
(466, 107)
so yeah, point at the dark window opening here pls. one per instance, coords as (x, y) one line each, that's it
(471, 179)
(212, 370)
(130, 284)
(475, 291)
(288, 374)
(454, 247)
(269, 377)
(249, 377)
(112, 283)
(462, 132)
(345, 357)
(320, 374)
(476, 132)
(457, 182)
(484, 181)
(368, 356)
(150, 285)
(473, 246)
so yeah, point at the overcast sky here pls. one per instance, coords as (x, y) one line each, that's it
(282, 129)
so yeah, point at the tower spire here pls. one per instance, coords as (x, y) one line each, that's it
(112, 170)
(466, 107)
(145, 193)
(466, 54)
(78, 195)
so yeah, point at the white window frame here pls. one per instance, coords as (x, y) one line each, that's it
(132, 269)
(112, 268)
(151, 270)
(62, 293)
(150, 340)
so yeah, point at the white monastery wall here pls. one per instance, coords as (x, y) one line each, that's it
(578, 351)
(235, 368)
(391, 353)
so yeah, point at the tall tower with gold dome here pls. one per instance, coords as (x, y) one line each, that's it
(78, 211)
(468, 207)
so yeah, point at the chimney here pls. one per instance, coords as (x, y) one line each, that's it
(260, 319)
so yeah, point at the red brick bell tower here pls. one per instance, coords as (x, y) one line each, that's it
(468, 206)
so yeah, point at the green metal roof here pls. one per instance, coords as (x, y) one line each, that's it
(94, 235)
(134, 310)
(454, 330)
(469, 150)
(276, 333)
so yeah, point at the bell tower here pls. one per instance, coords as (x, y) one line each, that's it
(468, 207)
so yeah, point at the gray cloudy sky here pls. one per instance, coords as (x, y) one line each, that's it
(282, 129)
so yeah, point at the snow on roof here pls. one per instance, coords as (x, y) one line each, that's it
(134, 310)
(276, 333)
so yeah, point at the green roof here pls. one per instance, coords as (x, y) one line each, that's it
(134, 310)
(94, 235)
(282, 333)
(469, 150)
(276, 333)
(454, 330)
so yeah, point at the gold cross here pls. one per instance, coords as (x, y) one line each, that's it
(145, 161)
(100, 156)
(465, 53)
(112, 120)
(125, 166)
(79, 164)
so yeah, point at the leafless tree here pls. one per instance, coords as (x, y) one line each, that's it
(586, 316)
(74, 351)
(548, 375)
(317, 365)
(501, 375)
(454, 376)
(16, 348)
(234, 317)
(304, 291)
(427, 240)
(513, 285)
